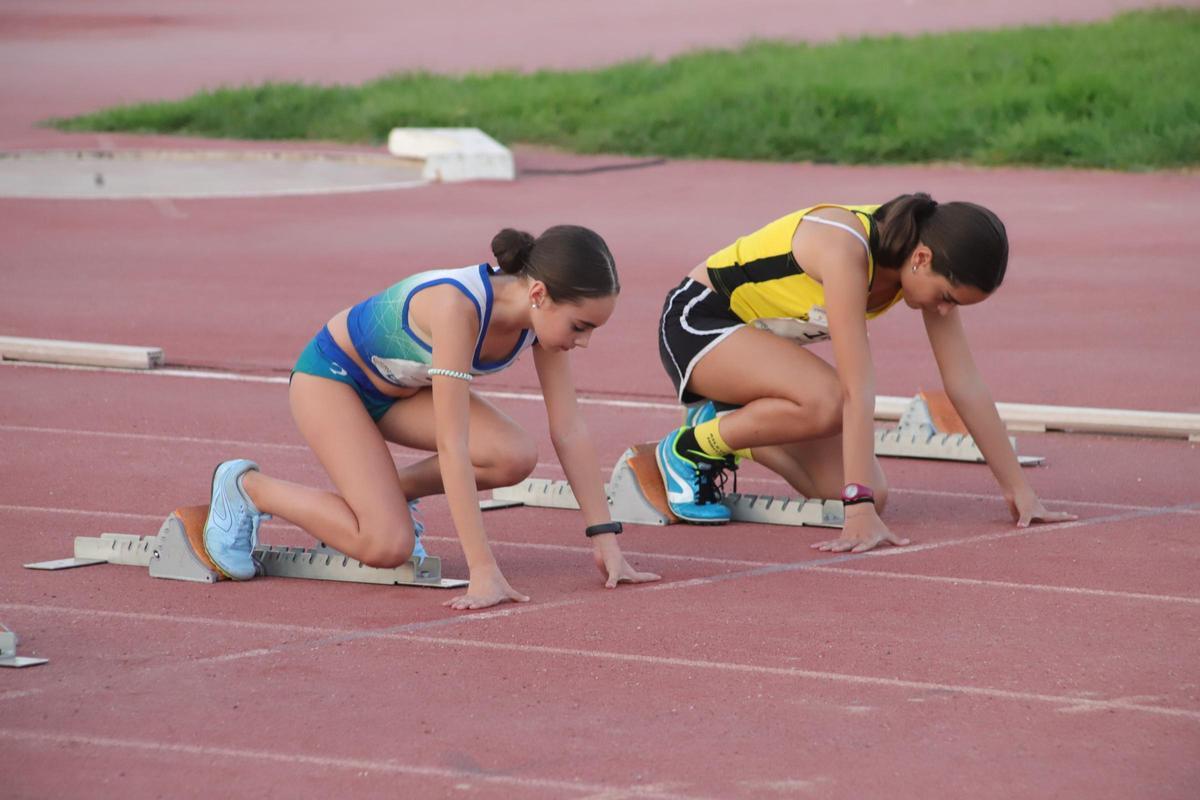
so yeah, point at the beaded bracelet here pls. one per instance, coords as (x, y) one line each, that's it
(451, 373)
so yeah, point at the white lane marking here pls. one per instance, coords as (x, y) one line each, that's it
(208, 752)
(1037, 587)
(1068, 703)
(201, 374)
(410, 456)
(1064, 702)
(788, 566)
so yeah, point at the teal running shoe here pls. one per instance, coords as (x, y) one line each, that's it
(693, 486)
(418, 554)
(699, 414)
(231, 529)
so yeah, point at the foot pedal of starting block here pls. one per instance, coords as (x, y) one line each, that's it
(636, 495)
(8, 652)
(930, 428)
(177, 553)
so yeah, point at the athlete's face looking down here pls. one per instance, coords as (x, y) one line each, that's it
(567, 325)
(931, 291)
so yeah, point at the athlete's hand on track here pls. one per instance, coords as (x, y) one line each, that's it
(487, 588)
(864, 531)
(612, 563)
(1027, 508)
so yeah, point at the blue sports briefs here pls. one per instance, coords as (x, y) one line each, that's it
(325, 359)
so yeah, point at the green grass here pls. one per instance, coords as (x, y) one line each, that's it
(1122, 94)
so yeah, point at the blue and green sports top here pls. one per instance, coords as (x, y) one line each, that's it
(387, 344)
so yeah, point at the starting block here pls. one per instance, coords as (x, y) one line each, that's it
(636, 495)
(8, 651)
(931, 428)
(177, 553)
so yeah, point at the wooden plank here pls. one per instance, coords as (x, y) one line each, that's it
(56, 351)
(1073, 418)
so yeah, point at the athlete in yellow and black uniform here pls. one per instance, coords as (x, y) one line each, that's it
(756, 281)
(729, 333)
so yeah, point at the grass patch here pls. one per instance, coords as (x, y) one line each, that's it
(1121, 94)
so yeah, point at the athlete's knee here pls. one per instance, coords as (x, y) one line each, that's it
(513, 460)
(825, 413)
(819, 415)
(387, 552)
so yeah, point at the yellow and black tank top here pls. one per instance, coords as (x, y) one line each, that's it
(765, 286)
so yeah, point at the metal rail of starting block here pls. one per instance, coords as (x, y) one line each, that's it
(169, 555)
(916, 436)
(8, 651)
(628, 503)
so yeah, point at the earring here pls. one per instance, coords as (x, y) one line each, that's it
(914, 269)
(534, 305)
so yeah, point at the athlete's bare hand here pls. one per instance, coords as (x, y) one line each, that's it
(1027, 509)
(612, 564)
(487, 588)
(864, 531)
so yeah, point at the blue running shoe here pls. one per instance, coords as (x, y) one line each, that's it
(693, 488)
(699, 414)
(231, 530)
(418, 554)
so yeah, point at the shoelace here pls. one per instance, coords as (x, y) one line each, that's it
(711, 477)
(247, 532)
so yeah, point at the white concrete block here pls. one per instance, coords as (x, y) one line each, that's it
(454, 154)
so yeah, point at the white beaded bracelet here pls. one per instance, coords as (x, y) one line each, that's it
(451, 373)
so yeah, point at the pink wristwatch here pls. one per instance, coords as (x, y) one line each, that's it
(855, 493)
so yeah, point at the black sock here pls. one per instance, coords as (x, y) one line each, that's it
(687, 446)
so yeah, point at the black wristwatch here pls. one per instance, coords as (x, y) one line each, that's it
(603, 527)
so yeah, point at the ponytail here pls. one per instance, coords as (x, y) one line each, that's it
(572, 261)
(969, 243)
(511, 248)
(899, 222)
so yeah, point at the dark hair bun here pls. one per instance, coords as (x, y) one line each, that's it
(511, 248)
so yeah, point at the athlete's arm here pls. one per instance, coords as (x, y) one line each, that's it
(841, 265)
(973, 402)
(569, 434)
(454, 329)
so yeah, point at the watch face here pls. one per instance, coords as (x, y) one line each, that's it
(851, 492)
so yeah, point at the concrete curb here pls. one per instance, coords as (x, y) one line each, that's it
(454, 154)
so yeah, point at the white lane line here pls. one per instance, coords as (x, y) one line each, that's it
(1063, 702)
(78, 512)
(772, 566)
(142, 616)
(149, 437)
(800, 566)
(389, 766)
(641, 405)
(1037, 587)
(1066, 703)
(409, 456)
(15, 693)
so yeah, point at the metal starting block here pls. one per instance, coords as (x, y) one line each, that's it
(931, 428)
(8, 651)
(636, 495)
(177, 553)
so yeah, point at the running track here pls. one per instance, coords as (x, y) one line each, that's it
(986, 661)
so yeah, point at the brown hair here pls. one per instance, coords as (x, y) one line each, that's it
(969, 242)
(573, 262)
